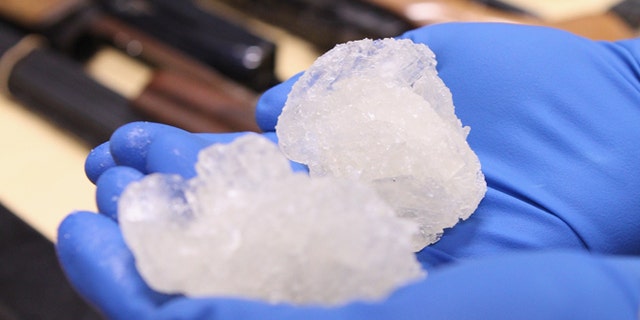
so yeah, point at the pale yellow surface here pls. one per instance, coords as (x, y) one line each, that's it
(556, 10)
(42, 167)
(294, 55)
(119, 72)
(41, 170)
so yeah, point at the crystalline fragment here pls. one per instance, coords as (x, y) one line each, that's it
(247, 226)
(376, 111)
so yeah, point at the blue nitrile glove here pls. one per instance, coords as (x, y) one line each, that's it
(543, 285)
(554, 122)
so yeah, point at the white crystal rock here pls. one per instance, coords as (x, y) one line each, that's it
(246, 226)
(376, 111)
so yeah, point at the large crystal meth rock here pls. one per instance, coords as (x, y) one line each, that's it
(247, 226)
(376, 111)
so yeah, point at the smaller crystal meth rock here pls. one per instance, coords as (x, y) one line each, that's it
(376, 111)
(246, 226)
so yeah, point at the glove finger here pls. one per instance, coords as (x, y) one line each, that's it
(98, 161)
(176, 152)
(99, 265)
(271, 102)
(129, 144)
(110, 186)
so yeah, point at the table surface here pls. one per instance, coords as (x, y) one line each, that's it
(42, 173)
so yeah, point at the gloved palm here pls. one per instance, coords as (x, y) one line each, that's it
(554, 122)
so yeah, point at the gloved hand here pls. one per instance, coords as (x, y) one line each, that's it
(554, 123)
(543, 285)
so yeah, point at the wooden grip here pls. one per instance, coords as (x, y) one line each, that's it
(38, 13)
(187, 103)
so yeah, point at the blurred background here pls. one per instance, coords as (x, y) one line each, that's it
(72, 71)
